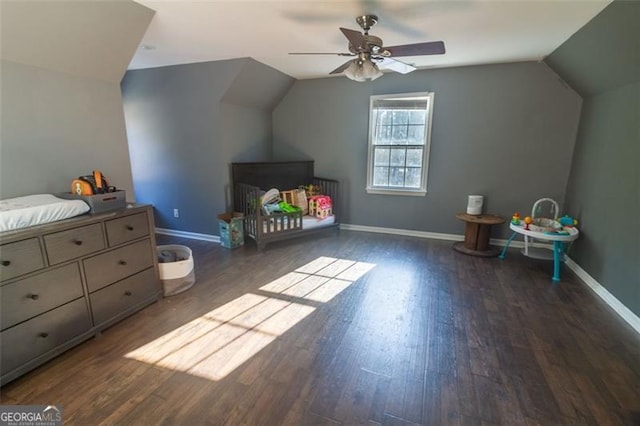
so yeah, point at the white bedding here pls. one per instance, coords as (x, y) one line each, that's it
(23, 212)
(308, 222)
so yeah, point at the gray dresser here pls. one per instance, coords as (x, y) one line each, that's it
(64, 282)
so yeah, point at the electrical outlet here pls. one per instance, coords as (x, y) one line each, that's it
(176, 213)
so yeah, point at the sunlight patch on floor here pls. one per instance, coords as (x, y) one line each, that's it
(215, 344)
(319, 280)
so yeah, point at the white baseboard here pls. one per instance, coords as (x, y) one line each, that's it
(625, 313)
(431, 235)
(632, 319)
(405, 232)
(190, 235)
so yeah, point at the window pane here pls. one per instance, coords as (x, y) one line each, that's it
(385, 117)
(383, 135)
(397, 157)
(381, 176)
(415, 135)
(399, 135)
(381, 156)
(417, 116)
(414, 157)
(396, 176)
(413, 178)
(400, 116)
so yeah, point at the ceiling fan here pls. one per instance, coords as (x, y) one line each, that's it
(370, 52)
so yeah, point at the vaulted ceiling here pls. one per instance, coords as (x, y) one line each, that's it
(474, 31)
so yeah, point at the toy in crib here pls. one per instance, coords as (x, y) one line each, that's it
(320, 206)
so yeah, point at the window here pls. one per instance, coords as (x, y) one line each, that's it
(399, 137)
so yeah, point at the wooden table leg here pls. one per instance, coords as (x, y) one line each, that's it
(471, 232)
(476, 235)
(483, 237)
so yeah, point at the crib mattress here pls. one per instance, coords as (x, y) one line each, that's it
(32, 210)
(308, 222)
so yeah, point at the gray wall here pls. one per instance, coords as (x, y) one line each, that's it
(61, 104)
(57, 126)
(604, 184)
(503, 131)
(186, 124)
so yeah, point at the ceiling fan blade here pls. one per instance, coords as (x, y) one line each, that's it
(417, 49)
(355, 38)
(321, 53)
(341, 67)
(395, 65)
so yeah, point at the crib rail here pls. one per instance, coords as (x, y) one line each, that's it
(262, 227)
(258, 225)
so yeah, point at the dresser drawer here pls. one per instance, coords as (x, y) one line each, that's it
(127, 228)
(114, 265)
(20, 258)
(43, 333)
(66, 245)
(32, 296)
(123, 295)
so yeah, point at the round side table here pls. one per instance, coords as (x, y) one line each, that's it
(476, 234)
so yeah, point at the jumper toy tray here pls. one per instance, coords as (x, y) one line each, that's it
(542, 206)
(545, 229)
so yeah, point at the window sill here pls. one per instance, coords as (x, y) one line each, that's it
(411, 193)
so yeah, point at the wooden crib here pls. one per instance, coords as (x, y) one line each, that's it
(250, 179)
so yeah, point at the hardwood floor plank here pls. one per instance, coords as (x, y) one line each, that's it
(426, 336)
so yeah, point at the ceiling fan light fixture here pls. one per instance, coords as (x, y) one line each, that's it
(362, 70)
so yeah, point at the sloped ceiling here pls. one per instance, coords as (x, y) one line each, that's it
(474, 31)
(258, 86)
(90, 38)
(612, 37)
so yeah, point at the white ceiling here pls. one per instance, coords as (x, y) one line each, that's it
(474, 31)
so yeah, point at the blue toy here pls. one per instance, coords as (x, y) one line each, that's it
(567, 221)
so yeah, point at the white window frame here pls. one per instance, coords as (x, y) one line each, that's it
(388, 190)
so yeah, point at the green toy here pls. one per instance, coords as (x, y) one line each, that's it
(288, 208)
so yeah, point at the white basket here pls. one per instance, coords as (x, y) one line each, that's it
(176, 276)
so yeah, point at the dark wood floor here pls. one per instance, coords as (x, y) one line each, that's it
(427, 336)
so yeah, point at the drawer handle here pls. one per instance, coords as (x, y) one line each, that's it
(77, 242)
(130, 228)
(127, 293)
(122, 262)
(6, 262)
(33, 296)
(43, 335)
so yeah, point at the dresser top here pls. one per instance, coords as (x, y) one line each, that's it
(73, 222)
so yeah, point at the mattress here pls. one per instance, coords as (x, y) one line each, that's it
(308, 222)
(31, 210)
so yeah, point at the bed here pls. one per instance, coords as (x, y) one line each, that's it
(250, 180)
(39, 209)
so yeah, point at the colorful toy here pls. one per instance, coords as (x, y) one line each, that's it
(567, 221)
(320, 206)
(515, 219)
(311, 190)
(287, 208)
(527, 221)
